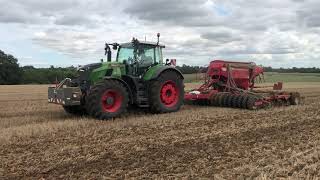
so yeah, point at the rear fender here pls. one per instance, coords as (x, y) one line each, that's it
(155, 73)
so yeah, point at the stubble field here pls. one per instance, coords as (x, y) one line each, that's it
(38, 140)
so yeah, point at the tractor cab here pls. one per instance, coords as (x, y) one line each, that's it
(147, 53)
(139, 56)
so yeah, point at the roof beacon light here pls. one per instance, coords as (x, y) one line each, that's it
(158, 35)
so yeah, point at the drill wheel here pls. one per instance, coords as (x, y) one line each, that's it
(221, 98)
(239, 101)
(226, 100)
(244, 101)
(235, 100)
(214, 100)
(230, 100)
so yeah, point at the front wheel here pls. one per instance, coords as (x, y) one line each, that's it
(107, 99)
(166, 93)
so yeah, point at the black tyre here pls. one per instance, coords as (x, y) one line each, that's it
(221, 98)
(235, 100)
(230, 102)
(244, 102)
(75, 110)
(239, 101)
(107, 99)
(166, 93)
(226, 100)
(214, 100)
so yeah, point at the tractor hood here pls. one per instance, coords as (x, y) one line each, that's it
(89, 67)
(107, 69)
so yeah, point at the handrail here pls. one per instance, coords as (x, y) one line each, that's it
(62, 83)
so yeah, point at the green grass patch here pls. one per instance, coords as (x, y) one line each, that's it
(292, 77)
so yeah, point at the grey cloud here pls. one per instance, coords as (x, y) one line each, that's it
(223, 37)
(72, 43)
(59, 12)
(313, 20)
(241, 14)
(17, 18)
(256, 51)
(14, 13)
(182, 12)
(308, 13)
(195, 28)
(74, 19)
(31, 11)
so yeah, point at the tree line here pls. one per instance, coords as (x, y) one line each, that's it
(292, 70)
(12, 73)
(186, 69)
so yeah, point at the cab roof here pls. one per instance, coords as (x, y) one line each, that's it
(129, 44)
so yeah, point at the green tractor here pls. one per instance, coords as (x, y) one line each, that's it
(138, 77)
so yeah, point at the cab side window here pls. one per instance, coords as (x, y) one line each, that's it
(158, 55)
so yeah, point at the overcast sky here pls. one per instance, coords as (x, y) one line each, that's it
(278, 33)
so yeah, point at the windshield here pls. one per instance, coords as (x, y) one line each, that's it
(146, 55)
(125, 54)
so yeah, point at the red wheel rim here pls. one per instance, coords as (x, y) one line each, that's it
(111, 101)
(169, 94)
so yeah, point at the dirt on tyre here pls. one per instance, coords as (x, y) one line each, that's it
(166, 93)
(107, 99)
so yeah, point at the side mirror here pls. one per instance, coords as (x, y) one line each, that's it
(167, 61)
(108, 52)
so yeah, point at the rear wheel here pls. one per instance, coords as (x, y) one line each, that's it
(107, 99)
(166, 93)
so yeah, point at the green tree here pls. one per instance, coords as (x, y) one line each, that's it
(10, 73)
